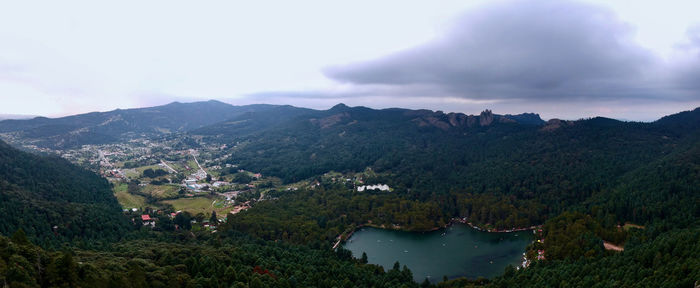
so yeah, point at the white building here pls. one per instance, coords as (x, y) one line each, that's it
(381, 187)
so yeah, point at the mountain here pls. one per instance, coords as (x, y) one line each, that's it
(256, 121)
(53, 200)
(423, 153)
(211, 118)
(251, 122)
(347, 138)
(119, 125)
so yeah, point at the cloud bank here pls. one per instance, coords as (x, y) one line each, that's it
(546, 51)
(686, 66)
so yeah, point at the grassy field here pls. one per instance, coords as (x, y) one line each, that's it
(127, 200)
(161, 191)
(131, 173)
(200, 205)
(215, 174)
(192, 165)
(177, 166)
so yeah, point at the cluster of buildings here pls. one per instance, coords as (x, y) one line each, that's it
(151, 221)
(114, 173)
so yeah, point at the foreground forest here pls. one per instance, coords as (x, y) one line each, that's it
(583, 181)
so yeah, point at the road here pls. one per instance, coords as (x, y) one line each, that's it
(104, 159)
(166, 166)
(200, 166)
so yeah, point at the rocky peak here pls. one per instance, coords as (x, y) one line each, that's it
(485, 118)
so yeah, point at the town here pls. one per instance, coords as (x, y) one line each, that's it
(160, 178)
(157, 179)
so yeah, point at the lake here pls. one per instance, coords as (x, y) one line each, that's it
(455, 251)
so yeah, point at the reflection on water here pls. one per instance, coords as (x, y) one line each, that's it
(454, 252)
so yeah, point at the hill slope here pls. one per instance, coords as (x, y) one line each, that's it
(423, 153)
(53, 200)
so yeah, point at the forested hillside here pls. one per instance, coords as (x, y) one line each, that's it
(53, 200)
(668, 260)
(427, 154)
(180, 261)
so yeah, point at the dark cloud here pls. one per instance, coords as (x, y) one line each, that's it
(686, 71)
(521, 50)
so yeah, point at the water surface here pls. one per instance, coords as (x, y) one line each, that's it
(453, 252)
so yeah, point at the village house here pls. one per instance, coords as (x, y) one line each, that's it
(147, 220)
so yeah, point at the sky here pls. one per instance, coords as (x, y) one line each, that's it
(631, 60)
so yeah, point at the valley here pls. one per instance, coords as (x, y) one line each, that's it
(296, 183)
(363, 144)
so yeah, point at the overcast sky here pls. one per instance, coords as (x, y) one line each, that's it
(635, 60)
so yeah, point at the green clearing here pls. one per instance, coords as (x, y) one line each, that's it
(177, 166)
(126, 200)
(215, 174)
(199, 205)
(192, 165)
(161, 191)
(131, 173)
(219, 204)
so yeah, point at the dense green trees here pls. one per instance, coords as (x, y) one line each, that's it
(53, 200)
(181, 261)
(323, 213)
(150, 173)
(669, 260)
(547, 169)
(242, 177)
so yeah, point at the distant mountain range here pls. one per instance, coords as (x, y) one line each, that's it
(211, 117)
(118, 125)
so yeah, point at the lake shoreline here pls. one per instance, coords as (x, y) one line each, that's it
(464, 221)
(458, 251)
(343, 237)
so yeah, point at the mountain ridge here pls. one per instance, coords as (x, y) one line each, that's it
(214, 117)
(121, 124)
